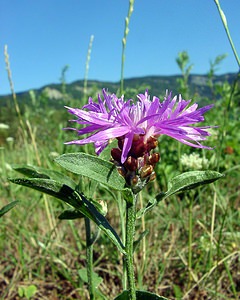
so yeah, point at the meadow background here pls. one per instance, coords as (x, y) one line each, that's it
(192, 248)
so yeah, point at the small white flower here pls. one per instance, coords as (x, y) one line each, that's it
(194, 161)
(53, 154)
(9, 139)
(8, 167)
(4, 126)
(206, 243)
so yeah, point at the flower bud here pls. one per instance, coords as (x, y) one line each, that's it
(103, 206)
(146, 171)
(131, 164)
(134, 181)
(154, 158)
(120, 142)
(151, 143)
(121, 171)
(116, 154)
(152, 176)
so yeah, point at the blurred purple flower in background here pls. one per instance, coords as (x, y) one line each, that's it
(137, 125)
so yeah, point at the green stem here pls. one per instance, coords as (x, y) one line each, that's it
(224, 21)
(89, 254)
(121, 208)
(130, 232)
(190, 226)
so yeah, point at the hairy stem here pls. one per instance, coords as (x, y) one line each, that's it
(190, 227)
(130, 232)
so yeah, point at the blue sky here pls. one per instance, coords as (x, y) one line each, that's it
(43, 36)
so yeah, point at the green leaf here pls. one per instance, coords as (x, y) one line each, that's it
(180, 183)
(20, 291)
(177, 292)
(103, 224)
(38, 172)
(75, 199)
(140, 295)
(188, 181)
(52, 188)
(94, 168)
(7, 207)
(95, 277)
(30, 291)
(27, 291)
(70, 214)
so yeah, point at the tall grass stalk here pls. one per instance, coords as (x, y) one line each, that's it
(75, 235)
(124, 42)
(226, 114)
(212, 226)
(24, 127)
(224, 21)
(48, 207)
(218, 242)
(7, 62)
(87, 66)
(233, 255)
(63, 81)
(220, 253)
(32, 135)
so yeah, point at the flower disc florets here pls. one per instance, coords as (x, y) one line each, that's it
(137, 125)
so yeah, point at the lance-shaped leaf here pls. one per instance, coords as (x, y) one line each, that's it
(181, 183)
(70, 214)
(92, 167)
(103, 224)
(7, 207)
(51, 187)
(188, 181)
(38, 172)
(96, 279)
(75, 199)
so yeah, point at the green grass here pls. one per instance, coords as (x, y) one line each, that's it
(38, 249)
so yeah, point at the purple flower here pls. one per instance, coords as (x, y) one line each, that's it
(143, 120)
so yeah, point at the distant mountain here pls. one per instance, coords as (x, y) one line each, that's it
(157, 85)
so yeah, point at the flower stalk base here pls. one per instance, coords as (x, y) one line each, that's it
(130, 232)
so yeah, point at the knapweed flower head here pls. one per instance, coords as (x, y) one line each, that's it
(138, 125)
